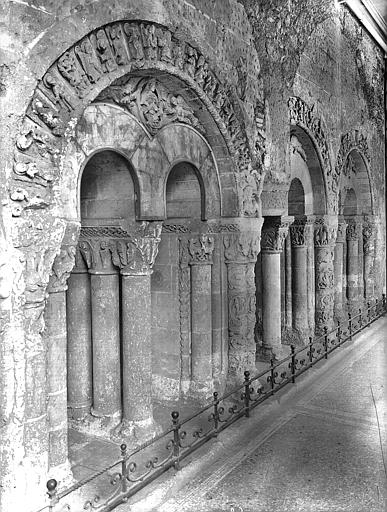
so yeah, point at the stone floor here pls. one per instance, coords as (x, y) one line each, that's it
(315, 446)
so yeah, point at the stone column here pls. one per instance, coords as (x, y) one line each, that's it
(325, 229)
(105, 326)
(56, 332)
(369, 256)
(311, 276)
(338, 266)
(274, 232)
(200, 250)
(299, 237)
(136, 257)
(240, 251)
(79, 350)
(288, 283)
(353, 233)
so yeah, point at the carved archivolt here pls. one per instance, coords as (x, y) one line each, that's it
(303, 115)
(350, 141)
(102, 57)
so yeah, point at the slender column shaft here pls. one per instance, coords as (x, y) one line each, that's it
(300, 299)
(353, 262)
(288, 283)
(105, 308)
(311, 283)
(201, 326)
(136, 348)
(369, 256)
(217, 312)
(338, 269)
(79, 352)
(271, 291)
(57, 376)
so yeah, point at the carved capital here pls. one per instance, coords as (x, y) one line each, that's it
(354, 228)
(325, 231)
(108, 247)
(341, 231)
(300, 231)
(274, 232)
(201, 249)
(241, 247)
(61, 269)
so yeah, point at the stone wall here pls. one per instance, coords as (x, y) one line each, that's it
(247, 72)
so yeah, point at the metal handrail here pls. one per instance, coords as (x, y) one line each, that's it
(225, 410)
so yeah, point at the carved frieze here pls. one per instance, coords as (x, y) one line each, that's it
(201, 249)
(274, 233)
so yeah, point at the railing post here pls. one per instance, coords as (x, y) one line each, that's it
(360, 319)
(384, 301)
(293, 363)
(326, 341)
(176, 439)
(52, 489)
(368, 313)
(272, 376)
(338, 335)
(350, 325)
(310, 349)
(246, 394)
(216, 412)
(124, 482)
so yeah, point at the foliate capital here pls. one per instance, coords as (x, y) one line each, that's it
(341, 230)
(301, 230)
(201, 249)
(354, 228)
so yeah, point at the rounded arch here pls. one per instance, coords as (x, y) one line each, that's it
(353, 166)
(296, 198)
(310, 130)
(113, 51)
(305, 165)
(184, 192)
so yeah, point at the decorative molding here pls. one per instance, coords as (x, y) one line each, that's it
(175, 228)
(350, 141)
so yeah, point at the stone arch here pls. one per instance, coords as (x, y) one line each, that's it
(353, 168)
(302, 116)
(102, 58)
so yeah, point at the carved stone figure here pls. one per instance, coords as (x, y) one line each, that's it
(117, 42)
(164, 41)
(104, 52)
(88, 58)
(134, 42)
(73, 73)
(190, 61)
(149, 38)
(201, 249)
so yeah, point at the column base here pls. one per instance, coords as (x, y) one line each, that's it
(265, 353)
(201, 391)
(135, 433)
(96, 425)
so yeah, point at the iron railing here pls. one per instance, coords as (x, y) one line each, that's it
(136, 469)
